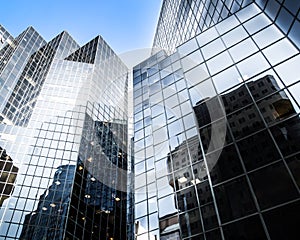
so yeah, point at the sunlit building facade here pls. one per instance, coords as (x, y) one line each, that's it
(181, 20)
(217, 125)
(63, 136)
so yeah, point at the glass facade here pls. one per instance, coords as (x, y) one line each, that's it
(181, 20)
(217, 129)
(215, 151)
(64, 159)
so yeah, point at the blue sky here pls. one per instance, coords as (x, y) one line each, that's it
(125, 24)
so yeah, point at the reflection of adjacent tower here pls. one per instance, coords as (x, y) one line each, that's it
(98, 209)
(49, 219)
(273, 105)
(80, 203)
(177, 163)
(273, 108)
(244, 119)
(170, 228)
(8, 174)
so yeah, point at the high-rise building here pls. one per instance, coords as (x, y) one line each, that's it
(216, 130)
(63, 139)
(181, 20)
(217, 125)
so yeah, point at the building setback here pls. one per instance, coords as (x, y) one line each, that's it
(217, 125)
(63, 139)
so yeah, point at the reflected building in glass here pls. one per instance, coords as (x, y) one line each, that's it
(217, 125)
(64, 159)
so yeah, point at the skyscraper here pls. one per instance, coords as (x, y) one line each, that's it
(181, 20)
(217, 123)
(64, 157)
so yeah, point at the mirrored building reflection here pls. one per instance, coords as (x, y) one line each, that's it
(64, 151)
(217, 123)
(8, 175)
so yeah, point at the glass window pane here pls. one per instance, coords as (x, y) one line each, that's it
(156, 98)
(140, 194)
(258, 150)
(287, 229)
(234, 36)
(267, 36)
(202, 91)
(234, 199)
(213, 235)
(191, 60)
(295, 91)
(227, 24)
(140, 209)
(257, 23)
(227, 79)
(280, 51)
(248, 12)
(246, 229)
(207, 36)
(187, 199)
(196, 75)
(171, 102)
(139, 168)
(160, 135)
(253, 65)
(189, 223)
(287, 135)
(143, 227)
(224, 164)
(273, 185)
(289, 70)
(294, 33)
(213, 48)
(153, 221)
(284, 20)
(162, 168)
(219, 63)
(294, 166)
(243, 50)
(167, 206)
(175, 128)
(188, 47)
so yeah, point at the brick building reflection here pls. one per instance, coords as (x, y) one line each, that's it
(272, 107)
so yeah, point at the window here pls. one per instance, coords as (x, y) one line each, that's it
(252, 115)
(260, 84)
(242, 120)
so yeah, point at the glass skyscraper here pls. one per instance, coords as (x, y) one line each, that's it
(215, 154)
(217, 125)
(64, 158)
(181, 20)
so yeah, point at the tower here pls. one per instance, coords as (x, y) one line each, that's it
(64, 134)
(217, 123)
